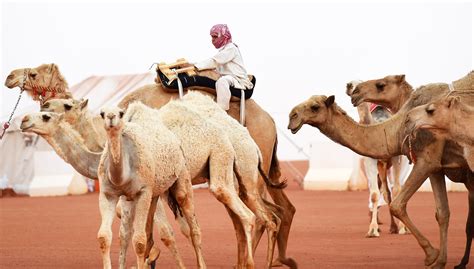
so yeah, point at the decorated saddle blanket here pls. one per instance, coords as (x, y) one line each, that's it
(206, 83)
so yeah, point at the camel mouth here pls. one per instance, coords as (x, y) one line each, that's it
(356, 100)
(294, 130)
(11, 82)
(25, 127)
(427, 126)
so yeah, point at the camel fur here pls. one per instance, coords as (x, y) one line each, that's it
(142, 160)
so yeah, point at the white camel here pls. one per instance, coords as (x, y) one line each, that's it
(90, 128)
(142, 160)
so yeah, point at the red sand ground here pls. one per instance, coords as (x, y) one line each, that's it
(328, 232)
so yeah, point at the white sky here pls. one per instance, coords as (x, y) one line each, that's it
(295, 49)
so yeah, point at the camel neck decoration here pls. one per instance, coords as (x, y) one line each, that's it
(41, 83)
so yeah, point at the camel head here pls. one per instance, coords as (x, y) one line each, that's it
(313, 111)
(112, 118)
(382, 91)
(41, 83)
(42, 123)
(72, 109)
(437, 115)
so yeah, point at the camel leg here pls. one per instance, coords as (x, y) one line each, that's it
(141, 229)
(396, 169)
(222, 187)
(374, 195)
(263, 214)
(240, 235)
(398, 207)
(126, 216)
(280, 198)
(104, 236)
(183, 192)
(442, 216)
(469, 233)
(166, 233)
(383, 167)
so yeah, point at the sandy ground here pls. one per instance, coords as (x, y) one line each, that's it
(328, 232)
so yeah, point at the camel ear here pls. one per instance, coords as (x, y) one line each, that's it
(83, 104)
(349, 87)
(453, 101)
(329, 101)
(400, 78)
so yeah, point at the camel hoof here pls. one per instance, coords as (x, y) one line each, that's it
(373, 233)
(460, 266)
(277, 263)
(431, 257)
(403, 230)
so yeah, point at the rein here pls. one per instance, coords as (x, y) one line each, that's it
(6, 125)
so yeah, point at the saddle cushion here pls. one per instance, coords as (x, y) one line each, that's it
(205, 83)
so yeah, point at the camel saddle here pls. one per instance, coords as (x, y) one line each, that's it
(190, 77)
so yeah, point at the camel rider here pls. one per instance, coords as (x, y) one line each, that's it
(228, 62)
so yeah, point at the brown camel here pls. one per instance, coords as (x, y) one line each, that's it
(448, 117)
(394, 92)
(385, 140)
(259, 123)
(41, 83)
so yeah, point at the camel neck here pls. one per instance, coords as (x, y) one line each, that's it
(379, 141)
(84, 125)
(458, 127)
(115, 163)
(70, 147)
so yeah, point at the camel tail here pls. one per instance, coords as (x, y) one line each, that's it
(173, 203)
(280, 185)
(275, 172)
(242, 189)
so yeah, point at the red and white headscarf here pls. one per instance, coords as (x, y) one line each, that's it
(223, 35)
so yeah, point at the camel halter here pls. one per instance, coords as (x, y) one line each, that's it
(6, 125)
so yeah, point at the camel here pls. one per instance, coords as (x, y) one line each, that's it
(91, 129)
(394, 92)
(321, 112)
(259, 123)
(378, 169)
(142, 160)
(248, 164)
(42, 83)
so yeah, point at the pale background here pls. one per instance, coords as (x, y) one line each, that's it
(295, 49)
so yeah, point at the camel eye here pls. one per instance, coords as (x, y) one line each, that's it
(121, 114)
(102, 114)
(46, 118)
(46, 105)
(33, 75)
(67, 107)
(315, 108)
(355, 91)
(380, 86)
(430, 111)
(293, 116)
